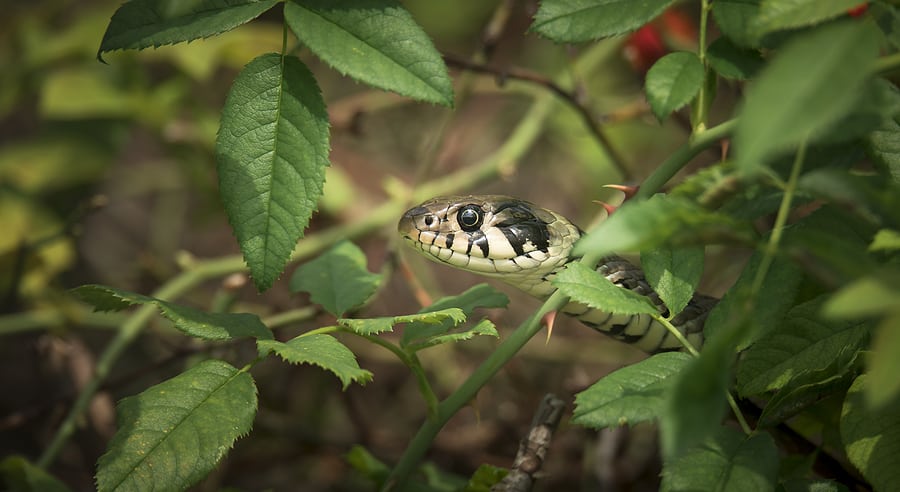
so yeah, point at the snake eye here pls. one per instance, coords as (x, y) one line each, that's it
(470, 217)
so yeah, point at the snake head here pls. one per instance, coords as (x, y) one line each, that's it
(491, 235)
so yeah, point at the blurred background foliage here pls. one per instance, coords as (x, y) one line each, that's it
(107, 175)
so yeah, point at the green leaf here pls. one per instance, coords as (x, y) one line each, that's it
(193, 322)
(883, 147)
(886, 240)
(373, 326)
(803, 343)
(479, 296)
(674, 274)
(373, 41)
(728, 461)
(140, 24)
(696, 403)
(672, 82)
(20, 475)
(776, 15)
(338, 279)
(633, 394)
(483, 327)
(888, 19)
(584, 285)
(485, 477)
(883, 363)
(735, 19)
(814, 81)
(806, 485)
(361, 460)
(733, 62)
(575, 21)
(173, 434)
(872, 437)
(871, 295)
(272, 151)
(322, 350)
(662, 219)
(775, 297)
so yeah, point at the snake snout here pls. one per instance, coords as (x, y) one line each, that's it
(415, 219)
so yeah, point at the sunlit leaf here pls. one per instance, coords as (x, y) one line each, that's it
(449, 317)
(272, 151)
(674, 274)
(483, 327)
(173, 434)
(574, 21)
(633, 394)
(480, 296)
(872, 436)
(584, 285)
(883, 363)
(775, 15)
(322, 350)
(373, 41)
(672, 82)
(338, 279)
(140, 24)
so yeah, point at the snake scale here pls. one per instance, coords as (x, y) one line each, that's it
(526, 246)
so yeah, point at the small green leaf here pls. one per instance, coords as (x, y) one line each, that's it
(584, 285)
(338, 279)
(373, 41)
(776, 15)
(662, 219)
(871, 295)
(193, 322)
(883, 147)
(812, 82)
(479, 296)
(485, 477)
(733, 62)
(803, 343)
(806, 485)
(883, 363)
(735, 19)
(886, 240)
(872, 436)
(633, 394)
(672, 82)
(674, 274)
(20, 475)
(322, 350)
(173, 434)
(575, 21)
(140, 24)
(449, 317)
(361, 460)
(728, 461)
(483, 327)
(272, 151)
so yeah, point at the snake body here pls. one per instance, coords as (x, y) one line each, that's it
(526, 246)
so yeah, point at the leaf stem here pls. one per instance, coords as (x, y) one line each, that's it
(676, 333)
(702, 103)
(739, 415)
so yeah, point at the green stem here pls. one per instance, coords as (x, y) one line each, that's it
(702, 103)
(675, 162)
(739, 415)
(677, 334)
(467, 391)
(886, 64)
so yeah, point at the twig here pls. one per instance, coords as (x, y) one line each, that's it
(533, 449)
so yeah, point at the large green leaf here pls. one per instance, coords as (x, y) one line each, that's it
(373, 41)
(872, 437)
(173, 434)
(272, 151)
(322, 350)
(584, 285)
(338, 279)
(735, 19)
(196, 323)
(633, 394)
(776, 15)
(674, 274)
(728, 461)
(140, 24)
(803, 343)
(672, 82)
(732, 61)
(662, 219)
(813, 82)
(574, 21)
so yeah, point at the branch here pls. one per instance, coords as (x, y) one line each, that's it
(533, 449)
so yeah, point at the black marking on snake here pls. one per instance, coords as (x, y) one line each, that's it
(520, 226)
(478, 238)
(449, 239)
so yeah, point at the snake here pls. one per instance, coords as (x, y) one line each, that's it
(526, 246)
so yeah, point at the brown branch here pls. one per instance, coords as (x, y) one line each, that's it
(533, 449)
